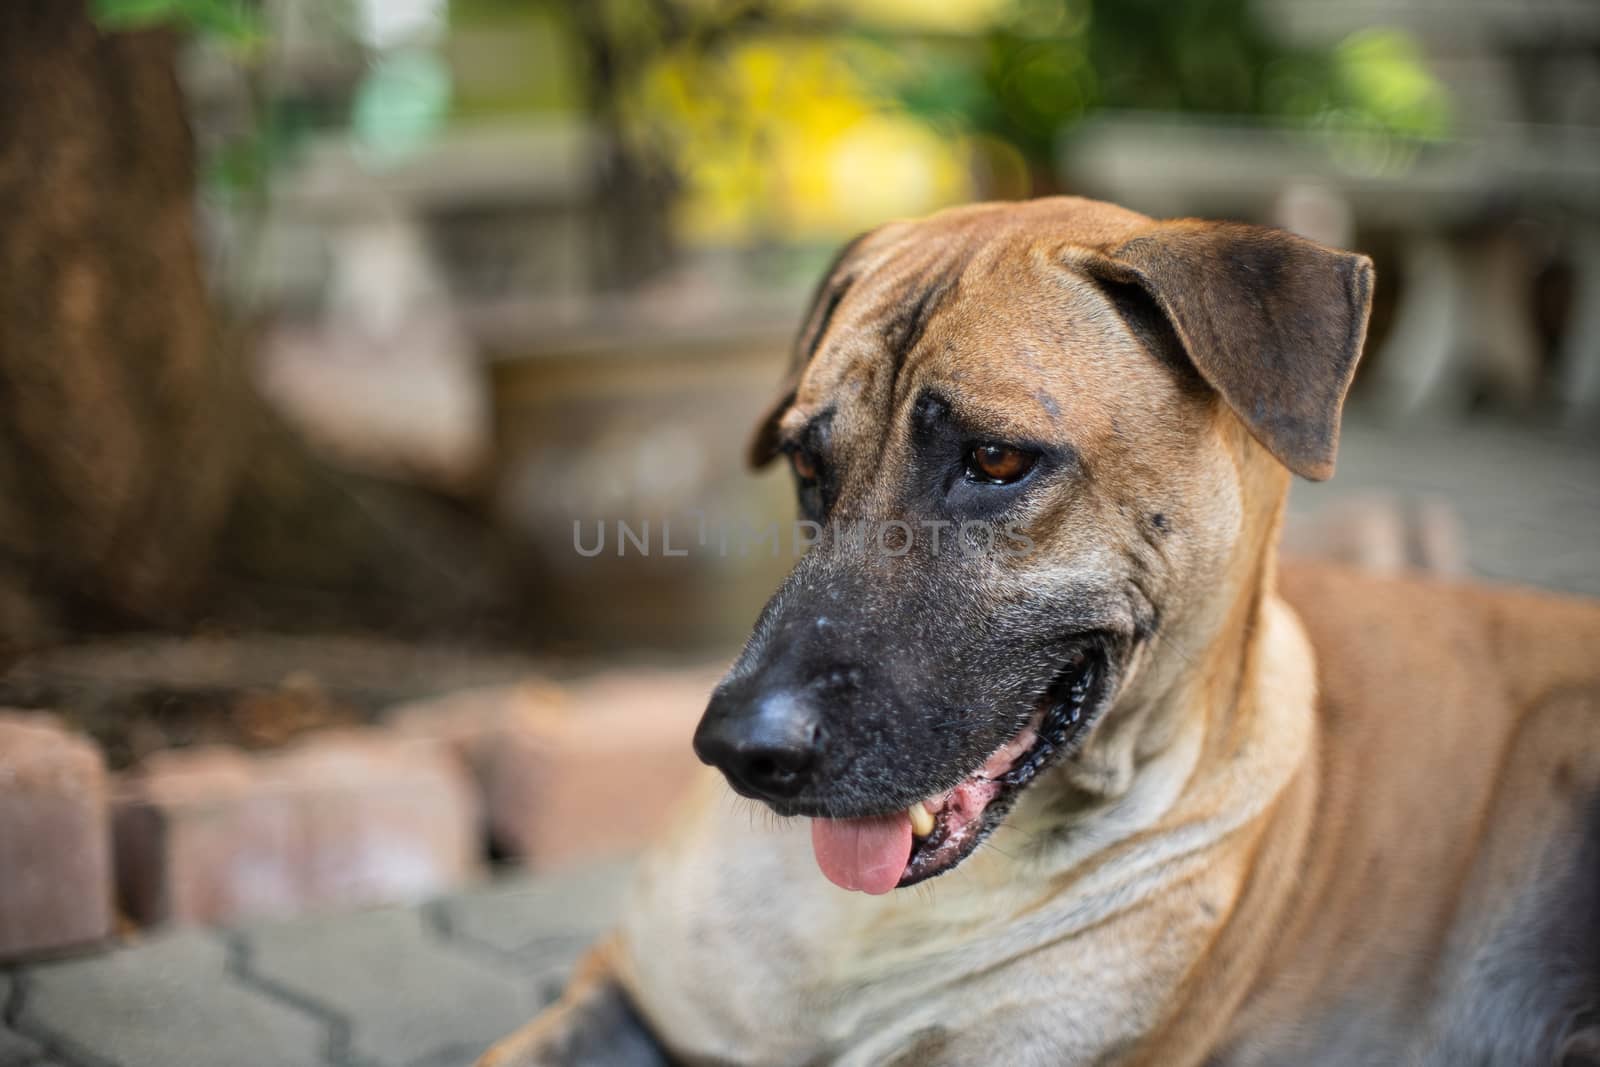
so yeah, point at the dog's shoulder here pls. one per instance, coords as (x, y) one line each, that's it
(1460, 740)
(1529, 643)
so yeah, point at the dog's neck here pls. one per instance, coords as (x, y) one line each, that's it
(1194, 682)
(1233, 666)
(1092, 858)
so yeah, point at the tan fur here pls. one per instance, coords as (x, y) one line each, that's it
(1320, 805)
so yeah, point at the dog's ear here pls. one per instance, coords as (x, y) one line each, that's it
(825, 300)
(763, 446)
(1273, 322)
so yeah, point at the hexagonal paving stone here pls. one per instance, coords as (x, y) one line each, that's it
(541, 922)
(411, 999)
(15, 1050)
(460, 1057)
(169, 1002)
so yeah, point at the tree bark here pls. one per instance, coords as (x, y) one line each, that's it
(142, 483)
(118, 451)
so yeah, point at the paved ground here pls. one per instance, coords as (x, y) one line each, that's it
(423, 986)
(1528, 501)
(431, 985)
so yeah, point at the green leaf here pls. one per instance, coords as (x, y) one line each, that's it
(136, 14)
(234, 22)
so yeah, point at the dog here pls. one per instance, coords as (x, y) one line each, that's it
(1114, 787)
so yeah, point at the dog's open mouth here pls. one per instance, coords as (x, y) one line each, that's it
(880, 853)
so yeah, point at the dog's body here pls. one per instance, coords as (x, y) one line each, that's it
(1315, 819)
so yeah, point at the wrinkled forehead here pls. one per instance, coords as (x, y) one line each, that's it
(994, 320)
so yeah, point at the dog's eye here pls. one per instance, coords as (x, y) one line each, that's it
(999, 464)
(808, 481)
(805, 465)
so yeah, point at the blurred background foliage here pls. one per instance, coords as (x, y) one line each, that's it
(234, 22)
(752, 120)
(813, 117)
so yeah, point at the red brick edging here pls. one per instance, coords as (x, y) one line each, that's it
(55, 839)
(552, 775)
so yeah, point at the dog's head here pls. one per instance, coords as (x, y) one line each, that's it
(1037, 439)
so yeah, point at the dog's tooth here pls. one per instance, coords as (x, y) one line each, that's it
(921, 819)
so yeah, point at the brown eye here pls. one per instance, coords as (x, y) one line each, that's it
(805, 466)
(999, 464)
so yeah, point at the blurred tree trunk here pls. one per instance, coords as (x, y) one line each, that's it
(633, 186)
(117, 446)
(142, 483)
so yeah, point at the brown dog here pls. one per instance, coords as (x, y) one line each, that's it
(1182, 809)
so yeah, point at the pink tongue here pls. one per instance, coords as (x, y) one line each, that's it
(865, 854)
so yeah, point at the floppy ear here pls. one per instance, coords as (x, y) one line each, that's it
(814, 326)
(1272, 322)
(763, 446)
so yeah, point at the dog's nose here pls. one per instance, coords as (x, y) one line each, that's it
(767, 747)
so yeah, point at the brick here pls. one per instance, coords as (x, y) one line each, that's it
(200, 837)
(1441, 539)
(568, 777)
(345, 817)
(577, 786)
(1382, 532)
(1367, 530)
(471, 721)
(168, 1002)
(55, 891)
